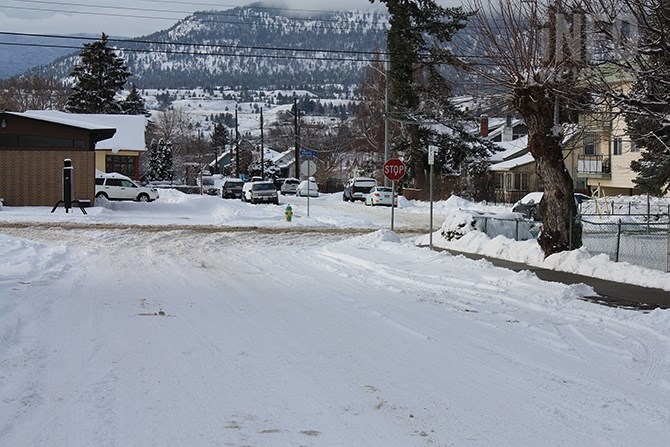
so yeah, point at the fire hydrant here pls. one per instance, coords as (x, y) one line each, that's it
(288, 213)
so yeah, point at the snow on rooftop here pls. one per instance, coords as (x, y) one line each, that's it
(129, 128)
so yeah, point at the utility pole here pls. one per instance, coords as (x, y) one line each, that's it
(229, 171)
(262, 149)
(386, 119)
(237, 147)
(296, 130)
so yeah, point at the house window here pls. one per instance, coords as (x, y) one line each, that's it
(517, 181)
(122, 164)
(634, 147)
(16, 140)
(589, 144)
(617, 146)
(499, 180)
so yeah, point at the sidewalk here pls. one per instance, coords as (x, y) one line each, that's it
(610, 293)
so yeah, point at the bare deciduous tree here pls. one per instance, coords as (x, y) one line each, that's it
(173, 126)
(535, 76)
(637, 49)
(23, 93)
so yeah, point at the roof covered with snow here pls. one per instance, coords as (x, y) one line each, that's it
(129, 128)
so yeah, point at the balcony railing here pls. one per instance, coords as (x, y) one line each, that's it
(594, 166)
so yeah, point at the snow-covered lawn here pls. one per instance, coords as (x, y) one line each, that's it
(145, 324)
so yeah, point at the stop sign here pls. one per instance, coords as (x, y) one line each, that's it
(394, 169)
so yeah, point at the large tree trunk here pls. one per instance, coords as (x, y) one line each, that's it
(560, 231)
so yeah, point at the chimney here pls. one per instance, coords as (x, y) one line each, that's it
(508, 132)
(484, 126)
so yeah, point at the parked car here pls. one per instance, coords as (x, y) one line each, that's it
(231, 188)
(114, 186)
(381, 195)
(260, 192)
(308, 188)
(279, 181)
(289, 186)
(357, 187)
(210, 184)
(529, 205)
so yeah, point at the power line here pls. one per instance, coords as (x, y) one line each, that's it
(369, 56)
(210, 50)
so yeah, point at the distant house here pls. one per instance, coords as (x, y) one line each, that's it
(502, 129)
(33, 149)
(605, 151)
(513, 170)
(119, 153)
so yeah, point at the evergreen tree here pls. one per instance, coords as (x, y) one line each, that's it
(417, 41)
(647, 108)
(99, 75)
(160, 160)
(134, 104)
(154, 160)
(219, 141)
(653, 166)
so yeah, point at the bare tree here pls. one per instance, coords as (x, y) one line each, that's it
(23, 93)
(535, 67)
(174, 126)
(635, 49)
(370, 112)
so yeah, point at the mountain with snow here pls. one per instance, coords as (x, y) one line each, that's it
(251, 48)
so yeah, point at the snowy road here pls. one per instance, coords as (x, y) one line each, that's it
(186, 338)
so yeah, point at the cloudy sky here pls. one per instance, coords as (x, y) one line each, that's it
(132, 17)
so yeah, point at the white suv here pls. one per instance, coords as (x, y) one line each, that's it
(115, 186)
(256, 192)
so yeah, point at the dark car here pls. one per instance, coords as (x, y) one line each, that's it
(231, 188)
(529, 205)
(278, 182)
(356, 188)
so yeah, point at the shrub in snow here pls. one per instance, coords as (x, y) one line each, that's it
(460, 222)
(457, 224)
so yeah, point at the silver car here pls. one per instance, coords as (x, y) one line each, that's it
(289, 186)
(260, 192)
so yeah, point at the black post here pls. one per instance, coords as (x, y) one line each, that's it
(67, 184)
(618, 241)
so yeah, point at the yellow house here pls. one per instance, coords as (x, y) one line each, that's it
(605, 151)
(120, 153)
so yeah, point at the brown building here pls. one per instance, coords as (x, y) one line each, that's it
(32, 153)
(120, 153)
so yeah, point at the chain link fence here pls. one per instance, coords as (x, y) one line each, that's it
(632, 239)
(642, 240)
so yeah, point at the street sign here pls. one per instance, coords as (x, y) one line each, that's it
(308, 153)
(431, 154)
(307, 168)
(394, 169)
